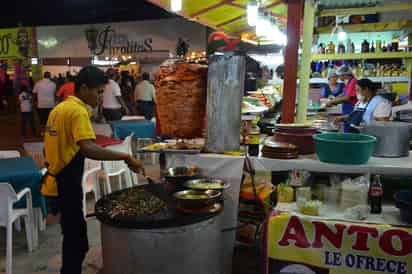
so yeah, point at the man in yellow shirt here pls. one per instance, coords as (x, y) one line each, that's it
(69, 138)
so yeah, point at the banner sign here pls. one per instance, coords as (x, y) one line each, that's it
(15, 43)
(305, 245)
(117, 39)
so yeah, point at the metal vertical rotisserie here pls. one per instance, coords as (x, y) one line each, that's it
(225, 86)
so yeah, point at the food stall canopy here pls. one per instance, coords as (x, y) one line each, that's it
(229, 16)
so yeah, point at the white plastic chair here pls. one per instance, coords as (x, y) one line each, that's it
(90, 180)
(118, 169)
(8, 215)
(128, 144)
(90, 183)
(4, 154)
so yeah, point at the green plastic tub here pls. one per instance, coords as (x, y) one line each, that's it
(344, 148)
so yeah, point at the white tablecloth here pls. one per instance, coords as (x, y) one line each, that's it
(383, 166)
(229, 169)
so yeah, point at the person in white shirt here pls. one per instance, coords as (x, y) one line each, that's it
(26, 109)
(44, 95)
(112, 100)
(145, 96)
(369, 108)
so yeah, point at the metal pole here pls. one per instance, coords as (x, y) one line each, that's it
(305, 70)
(295, 10)
(409, 67)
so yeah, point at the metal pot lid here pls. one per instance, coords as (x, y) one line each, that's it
(197, 195)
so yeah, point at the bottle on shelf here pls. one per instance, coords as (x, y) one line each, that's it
(349, 46)
(352, 47)
(324, 71)
(384, 48)
(372, 48)
(365, 46)
(395, 44)
(378, 70)
(321, 48)
(341, 48)
(378, 46)
(376, 195)
(331, 48)
(254, 139)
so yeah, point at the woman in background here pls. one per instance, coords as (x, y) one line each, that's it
(333, 88)
(370, 107)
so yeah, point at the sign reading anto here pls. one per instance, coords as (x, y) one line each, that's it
(311, 245)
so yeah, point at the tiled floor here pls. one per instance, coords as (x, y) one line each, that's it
(46, 259)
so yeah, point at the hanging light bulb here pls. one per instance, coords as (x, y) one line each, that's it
(263, 23)
(176, 5)
(252, 13)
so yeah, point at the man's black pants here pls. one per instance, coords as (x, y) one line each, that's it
(74, 228)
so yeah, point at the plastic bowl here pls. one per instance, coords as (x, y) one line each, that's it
(403, 201)
(344, 148)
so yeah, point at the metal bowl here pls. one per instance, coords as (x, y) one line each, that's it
(179, 175)
(197, 198)
(205, 184)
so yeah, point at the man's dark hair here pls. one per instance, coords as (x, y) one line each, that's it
(24, 88)
(146, 76)
(90, 76)
(280, 71)
(367, 84)
(47, 75)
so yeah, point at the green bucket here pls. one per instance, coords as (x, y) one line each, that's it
(344, 148)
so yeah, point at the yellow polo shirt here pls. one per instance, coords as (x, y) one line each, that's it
(68, 123)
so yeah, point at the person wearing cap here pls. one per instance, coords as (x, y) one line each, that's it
(333, 88)
(69, 138)
(348, 99)
(370, 107)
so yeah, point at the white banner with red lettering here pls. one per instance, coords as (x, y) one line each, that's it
(309, 245)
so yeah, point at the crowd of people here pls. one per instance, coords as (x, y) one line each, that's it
(124, 94)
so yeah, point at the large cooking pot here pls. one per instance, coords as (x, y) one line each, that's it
(392, 138)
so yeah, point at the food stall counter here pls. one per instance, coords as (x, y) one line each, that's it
(376, 165)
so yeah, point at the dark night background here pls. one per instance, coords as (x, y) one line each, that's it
(67, 12)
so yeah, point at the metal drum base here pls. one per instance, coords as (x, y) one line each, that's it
(183, 250)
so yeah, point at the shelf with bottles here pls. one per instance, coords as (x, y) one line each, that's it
(362, 56)
(381, 71)
(383, 79)
(368, 50)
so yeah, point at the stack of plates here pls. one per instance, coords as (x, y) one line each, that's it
(278, 150)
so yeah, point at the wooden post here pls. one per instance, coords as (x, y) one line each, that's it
(305, 70)
(226, 78)
(295, 10)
